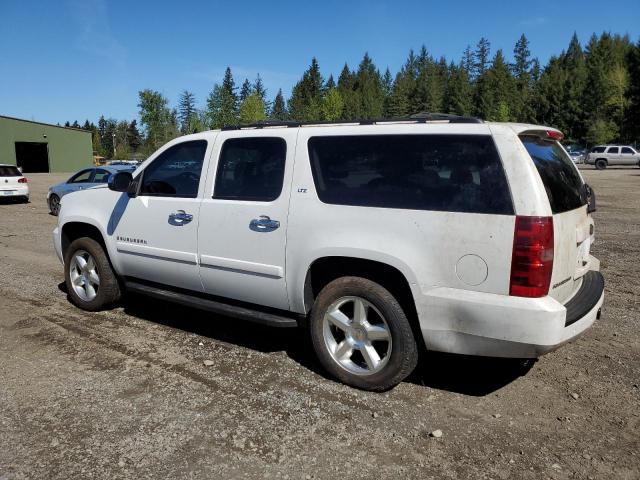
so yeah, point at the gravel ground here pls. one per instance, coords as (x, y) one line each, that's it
(125, 393)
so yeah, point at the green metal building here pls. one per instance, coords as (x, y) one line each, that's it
(41, 147)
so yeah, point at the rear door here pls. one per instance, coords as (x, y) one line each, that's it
(243, 217)
(613, 155)
(9, 176)
(571, 223)
(628, 156)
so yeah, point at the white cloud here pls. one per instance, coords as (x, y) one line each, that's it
(534, 21)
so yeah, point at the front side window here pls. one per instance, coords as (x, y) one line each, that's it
(453, 173)
(612, 150)
(81, 177)
(627, 151)
(175, 172)
(251, 169)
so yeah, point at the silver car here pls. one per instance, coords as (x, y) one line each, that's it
(603, 156)
(87, 178)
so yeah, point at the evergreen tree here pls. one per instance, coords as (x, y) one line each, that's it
(481, 58)
(133, 136)
(632, 117)
(245, 90)
(279, 109)
(501, 91)
(186, 111)
(86, 125)
(332, 105)
(573, 115)
(75, 124)
(369, 89)
(350, 97)
(252, 109)
(387, 89)
(306, 95)
(222, 103)
(521, 68)
(330, 83)
(67, 124)
(459, 93)
(258, 89)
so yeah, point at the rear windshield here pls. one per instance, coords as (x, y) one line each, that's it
(559, 175)
(453, 173)
(10, 172)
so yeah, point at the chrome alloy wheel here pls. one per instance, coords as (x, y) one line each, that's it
(84, 276)
(357, 335)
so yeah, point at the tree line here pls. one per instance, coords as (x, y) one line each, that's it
(591, 93)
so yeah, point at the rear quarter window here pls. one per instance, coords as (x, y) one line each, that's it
(561, 180)
(453, 173)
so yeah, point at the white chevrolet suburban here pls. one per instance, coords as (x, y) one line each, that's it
(380, 237)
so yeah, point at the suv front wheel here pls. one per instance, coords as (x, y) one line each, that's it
(361, 334)
(91, 282)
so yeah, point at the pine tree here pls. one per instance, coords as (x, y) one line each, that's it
(332, 105)
(186, 111)
(330, 83)
(245, 90)
(573, 116)
(458, 98)
(632, 117)
(387, 88)
(481, 58)
(521, 68)
(350, 97)
(306, 95)
(369, 88)
(501, 90)
(222, 103)
(133, 136)
(252, 109)
(279, 109)
(86, 125)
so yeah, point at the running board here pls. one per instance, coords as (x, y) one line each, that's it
(213, 306)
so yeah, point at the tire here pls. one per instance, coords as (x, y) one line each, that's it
(344, 346)
(106, 291)
(601, 164)
(54, 204)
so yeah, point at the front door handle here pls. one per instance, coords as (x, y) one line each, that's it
(180, 217)
(263, 224)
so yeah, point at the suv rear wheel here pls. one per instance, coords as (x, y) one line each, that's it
(601, 164)
(361, 335)
(91, 283)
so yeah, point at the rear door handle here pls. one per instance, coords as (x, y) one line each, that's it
(263, 224)
(180, 217)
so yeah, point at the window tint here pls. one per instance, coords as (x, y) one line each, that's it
(101, 176)
(176, 171)
(613, 150)
(81, 177)
(627, 151)
(598, 149)
(558, 173)
(9, 172)
(251, 169)
(457, 173)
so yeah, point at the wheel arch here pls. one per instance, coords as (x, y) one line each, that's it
(324, 270)
(73, 230)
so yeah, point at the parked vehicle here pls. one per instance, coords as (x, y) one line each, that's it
(445, 232)
(86, 178)
(576, 152)
(603, 156)
(13, 184)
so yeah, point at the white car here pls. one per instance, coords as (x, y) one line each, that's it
(381, 238)
(603, 156)
(13, 184)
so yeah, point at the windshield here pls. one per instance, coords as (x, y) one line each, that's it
(561, 180)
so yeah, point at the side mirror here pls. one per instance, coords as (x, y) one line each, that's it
(119, 182)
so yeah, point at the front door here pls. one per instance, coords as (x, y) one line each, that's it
(156, 232)
(628, 156)
(243, 218)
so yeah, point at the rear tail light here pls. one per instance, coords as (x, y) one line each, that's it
(532, 258)
(555, 135)
(22, 180)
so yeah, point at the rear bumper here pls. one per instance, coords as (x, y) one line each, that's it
(476, 323)
(21, 190)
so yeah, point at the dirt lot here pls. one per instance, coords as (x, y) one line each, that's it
(125, 394)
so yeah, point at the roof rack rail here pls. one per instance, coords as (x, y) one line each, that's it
(422, 117)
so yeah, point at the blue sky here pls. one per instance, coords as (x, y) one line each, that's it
(78, 59)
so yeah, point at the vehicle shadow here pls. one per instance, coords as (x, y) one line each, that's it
(467, 375)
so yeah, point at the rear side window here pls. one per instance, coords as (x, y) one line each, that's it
(598, 149)
(101, 176)
(251, 169)
(453, 173)
(613, 150)
(9, 172)
(558, 173)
